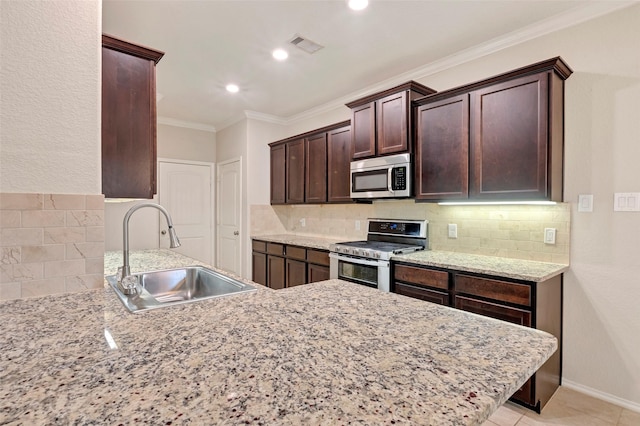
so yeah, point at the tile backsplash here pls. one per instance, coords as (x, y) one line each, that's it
(513, 231)
(50, 243)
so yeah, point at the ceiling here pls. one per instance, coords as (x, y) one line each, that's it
(208, 44)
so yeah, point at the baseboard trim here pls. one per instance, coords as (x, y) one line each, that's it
(629, 405)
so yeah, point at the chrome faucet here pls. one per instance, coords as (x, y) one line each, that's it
(127, 285)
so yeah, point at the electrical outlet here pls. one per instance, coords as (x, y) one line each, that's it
(357, 225)
(549, 235)
(303, 222)
(452, 230)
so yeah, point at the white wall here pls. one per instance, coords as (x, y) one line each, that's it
(181, 143)
(50, 104)
(602, 148)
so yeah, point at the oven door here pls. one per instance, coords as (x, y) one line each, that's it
(371, 273)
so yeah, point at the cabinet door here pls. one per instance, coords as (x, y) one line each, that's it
(296, 273)
(317, 273)
(363, 126)
(128, 125)
(316, 174)
(278, 174)
(509, 139)
(295, 172)
(259, 268)
(433, 296)
(339, 165)
(442, 149)
(391, 124)
(494, 310)
(275, 272)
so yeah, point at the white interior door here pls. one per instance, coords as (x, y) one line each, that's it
(184, 189)
(228, 232)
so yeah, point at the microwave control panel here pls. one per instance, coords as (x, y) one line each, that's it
(399, 178)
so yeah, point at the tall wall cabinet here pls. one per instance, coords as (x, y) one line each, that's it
(128, 119)
(496, 139)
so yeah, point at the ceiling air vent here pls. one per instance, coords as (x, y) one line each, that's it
(305, 44)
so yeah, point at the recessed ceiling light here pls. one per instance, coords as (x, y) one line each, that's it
(233, 88)
(280, 54)
(358, 4)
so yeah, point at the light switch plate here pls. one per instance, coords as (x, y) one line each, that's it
(585, 203)
(626, 202)
(452, 229)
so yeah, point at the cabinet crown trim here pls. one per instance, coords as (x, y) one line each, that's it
(131, 48)
(410, 85)
(557, 65)
(312, 132)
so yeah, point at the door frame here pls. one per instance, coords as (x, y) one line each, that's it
(212, 199)
(218, 203)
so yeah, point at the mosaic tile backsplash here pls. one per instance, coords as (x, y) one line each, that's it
(512, 231)
(50, 243)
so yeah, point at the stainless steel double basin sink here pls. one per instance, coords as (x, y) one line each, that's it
(157, 289)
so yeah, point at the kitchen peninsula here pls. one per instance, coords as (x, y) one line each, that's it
(331, 352)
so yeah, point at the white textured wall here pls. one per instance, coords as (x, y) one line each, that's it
(50, 102)
(602, 148)
(180, 143)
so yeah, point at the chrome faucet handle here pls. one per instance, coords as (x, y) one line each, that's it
(128, 285)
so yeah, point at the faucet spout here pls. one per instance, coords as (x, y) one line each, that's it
(174, 242)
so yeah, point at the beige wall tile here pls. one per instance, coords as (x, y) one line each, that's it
(64, 202)
(84, 282)
(85, 218)
(10, 291)
(9, 255)
(46, 253)
(20, 236)
(42, 218)
(95, 233)
(10, 201)
(95, 202)
(84, 250)
(94, 266)
(21, 272)
(64, 235)
(42, 287)
(64, 268)
(10, 219)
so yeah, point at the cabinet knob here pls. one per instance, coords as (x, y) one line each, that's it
(236, 233)
(163, 232)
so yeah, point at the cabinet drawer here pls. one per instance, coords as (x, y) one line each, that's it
(275, 248)
(493, 310)
(421, 276)
(503, 291)
(294, 252)
(318, 257)
(260, 246)
(439, 297)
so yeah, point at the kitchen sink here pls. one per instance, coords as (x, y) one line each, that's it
(157, 289)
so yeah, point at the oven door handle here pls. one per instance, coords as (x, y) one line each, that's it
(358, 260)
(390, 180)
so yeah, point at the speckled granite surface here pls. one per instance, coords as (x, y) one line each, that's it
(500, 266)
(326, 353)
(299, 240)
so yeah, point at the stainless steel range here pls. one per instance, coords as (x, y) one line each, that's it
(367, 262)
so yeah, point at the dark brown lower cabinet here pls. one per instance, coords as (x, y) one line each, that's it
(530, 304)
(280, 266)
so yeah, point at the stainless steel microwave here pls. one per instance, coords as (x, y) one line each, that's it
(381, 177)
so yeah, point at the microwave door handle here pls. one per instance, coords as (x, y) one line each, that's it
(390, 180)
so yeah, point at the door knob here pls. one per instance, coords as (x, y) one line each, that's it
(163, 232)
(236, 233)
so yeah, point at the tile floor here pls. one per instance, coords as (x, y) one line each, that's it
(566, 408)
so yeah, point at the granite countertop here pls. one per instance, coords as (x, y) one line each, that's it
(325, 353)
(518, 269)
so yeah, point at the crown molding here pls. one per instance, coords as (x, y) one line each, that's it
(268, 118)
(186, 124)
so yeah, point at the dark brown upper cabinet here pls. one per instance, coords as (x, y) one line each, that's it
(312, 167)
(381, 124)
(316, 168)
(295, 167)
(494, 140)
(128, 119)
(338, 165)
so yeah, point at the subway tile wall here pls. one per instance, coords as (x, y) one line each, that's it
(512, 231)
(50, 243)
